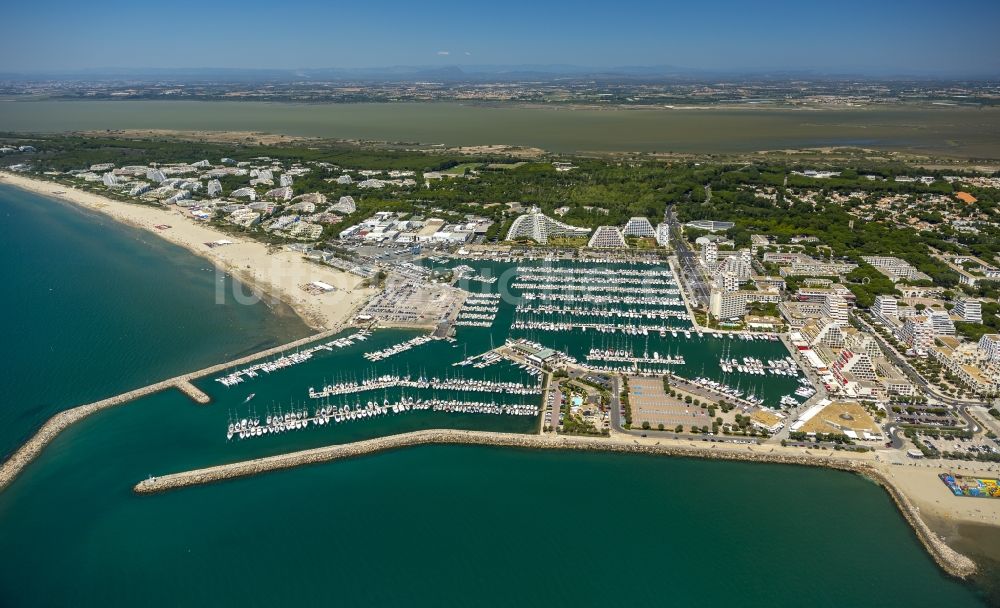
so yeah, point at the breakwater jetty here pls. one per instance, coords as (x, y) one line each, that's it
(953, 562)
(25, 454)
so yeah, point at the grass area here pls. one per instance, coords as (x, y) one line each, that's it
(461, 169)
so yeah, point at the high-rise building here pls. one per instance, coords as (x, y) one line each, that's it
(885, 307)
(941, 323)
(917, 332)
(638, 226)
(729, 281)
(607, 237)
(835, 309)
(969, 310)
(746, 258)
(727, 305)
(710, 253)
(853, 366)
(989, 347)
(738, 265)
(663, 234)
(539, 227)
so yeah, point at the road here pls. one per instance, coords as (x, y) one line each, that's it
(551, 403)
(691, 272)
(900, 361)
(616, 404)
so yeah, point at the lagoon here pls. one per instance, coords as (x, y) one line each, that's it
(949, 131)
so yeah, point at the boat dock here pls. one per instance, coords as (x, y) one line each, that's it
(59, 422)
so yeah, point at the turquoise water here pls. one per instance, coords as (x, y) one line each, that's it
(450, 526)
(92, 309)
(432, 526)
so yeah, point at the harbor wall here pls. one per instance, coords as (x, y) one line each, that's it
(951, 561)
(25, 454)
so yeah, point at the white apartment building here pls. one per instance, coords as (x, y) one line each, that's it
(835, 308)
(989, 347)
(917, 332)
(639, 226)
(727, 305)
(969, 310)
(895, 268)
(728, 281)
(885, 307)
(710, 253)
(663, 234)
(607, 237)
(941, 323)
(539, 227)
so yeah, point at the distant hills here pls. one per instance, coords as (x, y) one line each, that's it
(454, 74)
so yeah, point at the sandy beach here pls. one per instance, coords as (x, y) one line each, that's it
(281, 274)
(269, 271)
(918, 479)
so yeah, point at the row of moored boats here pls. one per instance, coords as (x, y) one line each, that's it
(299, 419)
(300, 356)
(449, 384)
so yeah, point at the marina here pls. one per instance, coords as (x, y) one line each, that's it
(479, 310)
(299, 419)
(93, 481)
(621, 356)
(396, 349)
(453, 384)
(283, 361)
(617, 316)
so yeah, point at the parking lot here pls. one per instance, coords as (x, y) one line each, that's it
(651, 404)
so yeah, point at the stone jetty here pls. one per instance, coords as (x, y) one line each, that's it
(196, 394)
(24, 455)
(950, 560)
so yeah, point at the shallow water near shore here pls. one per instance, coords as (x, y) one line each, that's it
(93, 308)
(435, 525)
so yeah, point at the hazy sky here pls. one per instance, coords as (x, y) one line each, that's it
(958, 36)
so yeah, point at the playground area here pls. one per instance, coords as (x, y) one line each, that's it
(973, 487)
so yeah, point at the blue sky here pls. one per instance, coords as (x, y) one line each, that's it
(958, 36)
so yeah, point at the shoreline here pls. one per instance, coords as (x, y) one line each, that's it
(913, 490)
(950, 560)
(277, 275)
